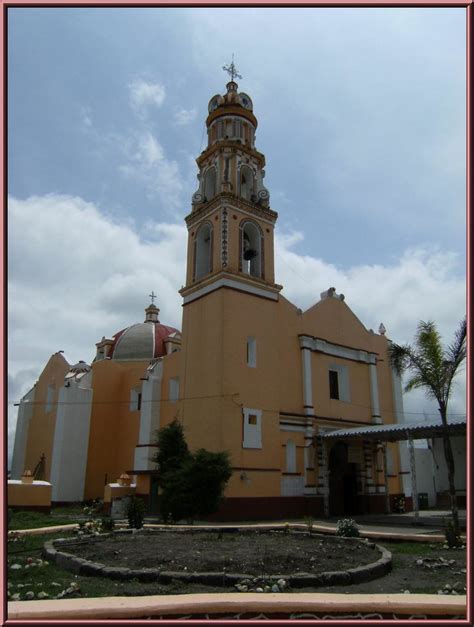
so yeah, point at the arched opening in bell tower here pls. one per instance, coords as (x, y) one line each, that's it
(251, 249)
(246, 182)
(203, 251)
(210, 183)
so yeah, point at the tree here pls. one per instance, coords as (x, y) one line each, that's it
(192, 484)
(172, 448)
(433, 368)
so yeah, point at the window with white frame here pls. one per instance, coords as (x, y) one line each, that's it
(338, 378)
(135, 399)
(251, 352)
(290, 451)
(252, 428)
(173, 390)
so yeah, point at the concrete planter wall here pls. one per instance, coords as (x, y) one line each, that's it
(56, 551)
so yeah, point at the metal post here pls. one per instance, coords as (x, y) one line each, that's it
(385, 476)
(414, 491)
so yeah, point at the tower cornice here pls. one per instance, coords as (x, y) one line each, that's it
(232, 280)
(231, 201)
(231, 109)
(235, 146)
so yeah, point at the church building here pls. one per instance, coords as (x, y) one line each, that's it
(248, 373)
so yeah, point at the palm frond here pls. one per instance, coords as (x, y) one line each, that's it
(399, 356)
(455, 354)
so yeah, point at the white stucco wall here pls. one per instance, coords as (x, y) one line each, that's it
(71, 441)
(458, 444)
(149, 418)
(25, 411)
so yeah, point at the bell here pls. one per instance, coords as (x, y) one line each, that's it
(249, 254)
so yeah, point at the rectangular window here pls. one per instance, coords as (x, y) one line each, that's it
(252, 428)
(339, 382)
(333, 385)
(251, 352)
(174, 389)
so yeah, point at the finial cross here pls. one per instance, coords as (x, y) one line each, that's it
(231, 69)
(152, 296)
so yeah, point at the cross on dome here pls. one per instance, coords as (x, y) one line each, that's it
(231, 70)
(152, 296)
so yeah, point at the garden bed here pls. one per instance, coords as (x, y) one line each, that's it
(246, 559)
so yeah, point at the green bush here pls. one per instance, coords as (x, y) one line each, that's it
(107, 523)
(135, 512)
(195, 488)
(191, 484)
(347, 528)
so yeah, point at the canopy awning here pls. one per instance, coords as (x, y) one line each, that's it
(401, 430)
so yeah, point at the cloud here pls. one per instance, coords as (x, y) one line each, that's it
(144, 95)
(76, 274)
(184, 116)
(147, 164)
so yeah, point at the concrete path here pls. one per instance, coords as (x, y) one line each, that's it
(325, 603)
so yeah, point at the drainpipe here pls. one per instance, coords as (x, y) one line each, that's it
(414, 491)
(385, 473)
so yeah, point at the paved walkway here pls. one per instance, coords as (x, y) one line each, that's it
(428, 528)
(429, 524)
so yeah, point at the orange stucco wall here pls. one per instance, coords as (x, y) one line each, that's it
(43, 420)
(113, 427)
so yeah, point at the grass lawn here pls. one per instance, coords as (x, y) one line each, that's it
(34, 520)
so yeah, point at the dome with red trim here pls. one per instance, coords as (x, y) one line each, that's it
(144, 340)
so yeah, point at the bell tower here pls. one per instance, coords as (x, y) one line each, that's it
(231, 225)
(229, 351)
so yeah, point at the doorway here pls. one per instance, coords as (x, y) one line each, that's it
(342, 482)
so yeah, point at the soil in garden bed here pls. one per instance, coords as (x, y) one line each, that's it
(252, 553)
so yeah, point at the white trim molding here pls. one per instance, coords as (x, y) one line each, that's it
(307, 382)
(236, 285)
(252, 431)
(374, 395)
(335, 350)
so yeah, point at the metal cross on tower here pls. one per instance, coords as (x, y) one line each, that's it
(232, 70)
(152, 296)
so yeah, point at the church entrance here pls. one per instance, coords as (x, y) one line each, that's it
(342, 482)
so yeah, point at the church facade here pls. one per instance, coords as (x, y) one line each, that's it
(249, 372)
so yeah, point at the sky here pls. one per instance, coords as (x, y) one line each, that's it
(362, 121)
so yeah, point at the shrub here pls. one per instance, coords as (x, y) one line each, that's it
(107, 523)
(172, 448)
(93, 507)
(453, 539)
(135, 512)
(309, 523)
(192, 484)
(195, 488)
(399, 504)
(347, 528)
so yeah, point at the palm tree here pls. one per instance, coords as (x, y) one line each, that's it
(433, 368)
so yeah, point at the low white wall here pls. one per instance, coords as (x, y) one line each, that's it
(71, 442)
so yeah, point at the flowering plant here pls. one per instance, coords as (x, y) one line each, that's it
(399, 504)
(348, 528)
